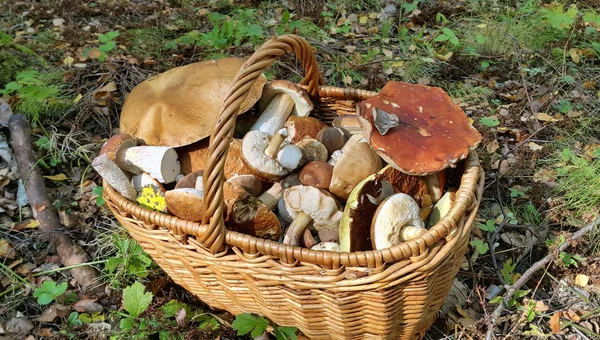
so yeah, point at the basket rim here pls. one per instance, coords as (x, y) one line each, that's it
(468, 194)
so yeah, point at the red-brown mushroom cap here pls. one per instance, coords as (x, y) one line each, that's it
(432, 133)
(115, 143)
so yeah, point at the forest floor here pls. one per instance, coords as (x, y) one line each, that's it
(527, 74)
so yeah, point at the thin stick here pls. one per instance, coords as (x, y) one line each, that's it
(534, 268)
(69, 252)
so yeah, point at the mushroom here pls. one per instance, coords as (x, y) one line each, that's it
(441, 208)
(317, 174)
(141, 180)
(258, 153)
(114, 176)
(308, 240)
(116, 143)
(185, 203)
(280, 98)
(300, 128)
(417, 129)
(354, 165)
(250, 183)
(354, 232)
(307, 204)
(180, 106)
(248, 215)
(328, 246)
(312, 150)
(332, 138)
(194, 157)
(396, 220)
(348, 124)
(290, 156)
(336, 155)
(160, 162)
(191, 180)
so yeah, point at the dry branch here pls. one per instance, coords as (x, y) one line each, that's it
(534, 268)
(69, 253)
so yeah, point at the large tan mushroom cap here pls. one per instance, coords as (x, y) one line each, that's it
(431, 132)
(180, 106)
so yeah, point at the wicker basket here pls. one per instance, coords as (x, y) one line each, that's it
(390, 293)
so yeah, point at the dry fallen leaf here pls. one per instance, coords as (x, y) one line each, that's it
(68, 60)
(540, 307)
(58, 22)
(87, 306)
(53, 312)
(555, 323)
(575, 53)
(6, 250)
(572, 315)
(59, 177)
(535, 146)
(492, 146)
(544, 117)
(588, 85)
(94, 53)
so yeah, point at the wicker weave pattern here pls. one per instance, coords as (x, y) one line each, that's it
(391, 293)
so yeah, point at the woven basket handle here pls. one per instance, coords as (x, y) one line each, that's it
(214, 237)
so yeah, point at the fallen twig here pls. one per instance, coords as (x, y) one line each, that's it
(534, 268)
(70, 254)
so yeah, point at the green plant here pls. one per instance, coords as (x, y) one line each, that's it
(489, 225)
(49, 291)
(107, 44)
(129, 262)
(578, 183)
(447, 35)
(489, 121)
(255, 325)
(98, 190)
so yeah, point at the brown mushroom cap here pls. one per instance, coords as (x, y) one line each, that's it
(180, 106)
(185, 203)
(248, 215)
(432, 133)
(193, 157)
(115, 143)
(189, 181)
(303, 127)
(317, 174)
(302, 104)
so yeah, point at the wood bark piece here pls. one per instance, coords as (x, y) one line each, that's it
(70, 254)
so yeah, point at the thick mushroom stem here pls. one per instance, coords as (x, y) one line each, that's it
(295, 230)
(275, 114)
(271, 197)
(276, 141)
(114, 176)
(160, 162)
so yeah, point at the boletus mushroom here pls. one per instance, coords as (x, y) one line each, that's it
(355, 164)
(259, 152)
(396, 220)
(417, 129)
(280, 99)
(180, 106)
(194, 157)
(306, 204)
(364, 200)
(300, 128)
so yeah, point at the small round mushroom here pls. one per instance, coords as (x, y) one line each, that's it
(312, 150)
(307, 204)
(397, 219)
(117, 143)
(355, 164)
(308, 240)
(190, 180)
(248, 215)
(141, 180)
(254, 147)
(280, 99)
(347, 123)
(317, 174)
(332, 138)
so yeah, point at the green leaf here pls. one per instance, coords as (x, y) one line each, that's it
(480, 246)
(496, 300)
(480, 39)
(285, 333)
(489, 225)
(49, 291)
(103, 38)
(489, 122)
(127, 324)
(113, 263)
(109, 46)
(246, 323)
(441, 37)
(164, 335)
(135, 300)
(507, 271)
(485, 64)
(170, 308)
(112, 34)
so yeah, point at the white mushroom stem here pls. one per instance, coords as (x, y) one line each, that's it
(271, 197)
(199, 185)
(275, 114)
(295, 230)
(114, 176)
(276, 141)
(160, 162)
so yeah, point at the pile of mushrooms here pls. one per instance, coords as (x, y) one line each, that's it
(369, 181)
